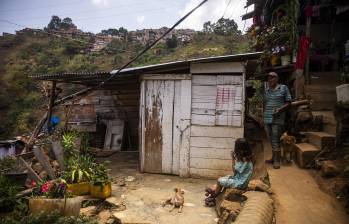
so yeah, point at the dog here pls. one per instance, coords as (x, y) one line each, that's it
(177, 201)
(287, 144)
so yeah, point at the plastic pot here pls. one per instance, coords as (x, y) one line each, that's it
(78, 189)
(101, 191)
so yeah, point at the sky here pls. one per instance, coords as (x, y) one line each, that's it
(96, 15)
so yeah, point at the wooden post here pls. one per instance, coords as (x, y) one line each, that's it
(307, 34)
(36, 131)
(40, 156)
(58, 151)
(51, 103)
(34, 175)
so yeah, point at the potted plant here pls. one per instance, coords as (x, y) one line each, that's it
(78, 174)
(100, 182)
(50, 196)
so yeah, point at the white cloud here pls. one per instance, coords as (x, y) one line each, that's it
(212, 11)
(101, 3)
(140, 19)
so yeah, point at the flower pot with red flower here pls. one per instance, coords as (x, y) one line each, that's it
(50, 196)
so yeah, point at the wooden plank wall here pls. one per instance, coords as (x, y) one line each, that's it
(109, 105)
(211, 144)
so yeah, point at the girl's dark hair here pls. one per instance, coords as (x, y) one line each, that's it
(242, 151)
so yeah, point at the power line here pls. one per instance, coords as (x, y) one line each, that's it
(88, 89)
(152, 44)
(226, 7)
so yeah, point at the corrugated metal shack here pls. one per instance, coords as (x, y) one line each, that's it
(182, 116)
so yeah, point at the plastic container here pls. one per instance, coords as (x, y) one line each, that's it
(66, 207)
(343, 93)
(101, 191)
(79, 188)
(274, 60)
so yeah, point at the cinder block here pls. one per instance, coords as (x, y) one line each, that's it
(322, 140)
(305, 154)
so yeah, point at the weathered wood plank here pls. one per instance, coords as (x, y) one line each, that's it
(216, 131)
(201, 91)
(167, 94)
(201, 111)
(141, 132)
(41, 157)
(185, 128)
(176, 144)
(225, 143)
(214, 164)
(204, 80)
(229, 79)
(209, 173)
(201, 119)
(165, 76)
(208, 105)
(217, 67)
(58, 151)
(210, 153)
(32, 173)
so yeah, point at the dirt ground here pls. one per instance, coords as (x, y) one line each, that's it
(143, 195)
(299, 200)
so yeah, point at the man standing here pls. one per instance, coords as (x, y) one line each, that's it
(277, 100)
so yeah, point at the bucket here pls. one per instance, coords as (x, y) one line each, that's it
(274, 60)
(79, 188)
(101, 190)
(343, 93)
(66, 207)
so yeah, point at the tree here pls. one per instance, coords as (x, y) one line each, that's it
(226, 26)
(172, 42)
(55, 23)
(207, 27)
(67, 23)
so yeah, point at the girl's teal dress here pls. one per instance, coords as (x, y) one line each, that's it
(241, 177)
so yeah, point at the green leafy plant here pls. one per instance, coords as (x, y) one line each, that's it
(7, 163)
(8, 191)
(100, 174)
(69, 144)
(79, 169)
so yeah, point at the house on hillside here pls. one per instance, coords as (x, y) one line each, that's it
(183, 117)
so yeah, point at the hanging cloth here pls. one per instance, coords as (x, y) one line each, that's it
(302, 52)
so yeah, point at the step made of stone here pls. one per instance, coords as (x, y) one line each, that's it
(321, 140)
(305, 154)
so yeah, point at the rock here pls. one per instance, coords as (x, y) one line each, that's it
(330, 169)
(88, 211)
(37, 167)
(130, 179)
(128, 217)
(114, 203)
(104, 216)
(43, 175)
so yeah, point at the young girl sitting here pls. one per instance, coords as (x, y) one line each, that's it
(242, 173)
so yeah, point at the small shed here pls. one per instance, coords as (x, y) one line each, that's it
(184, 116)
